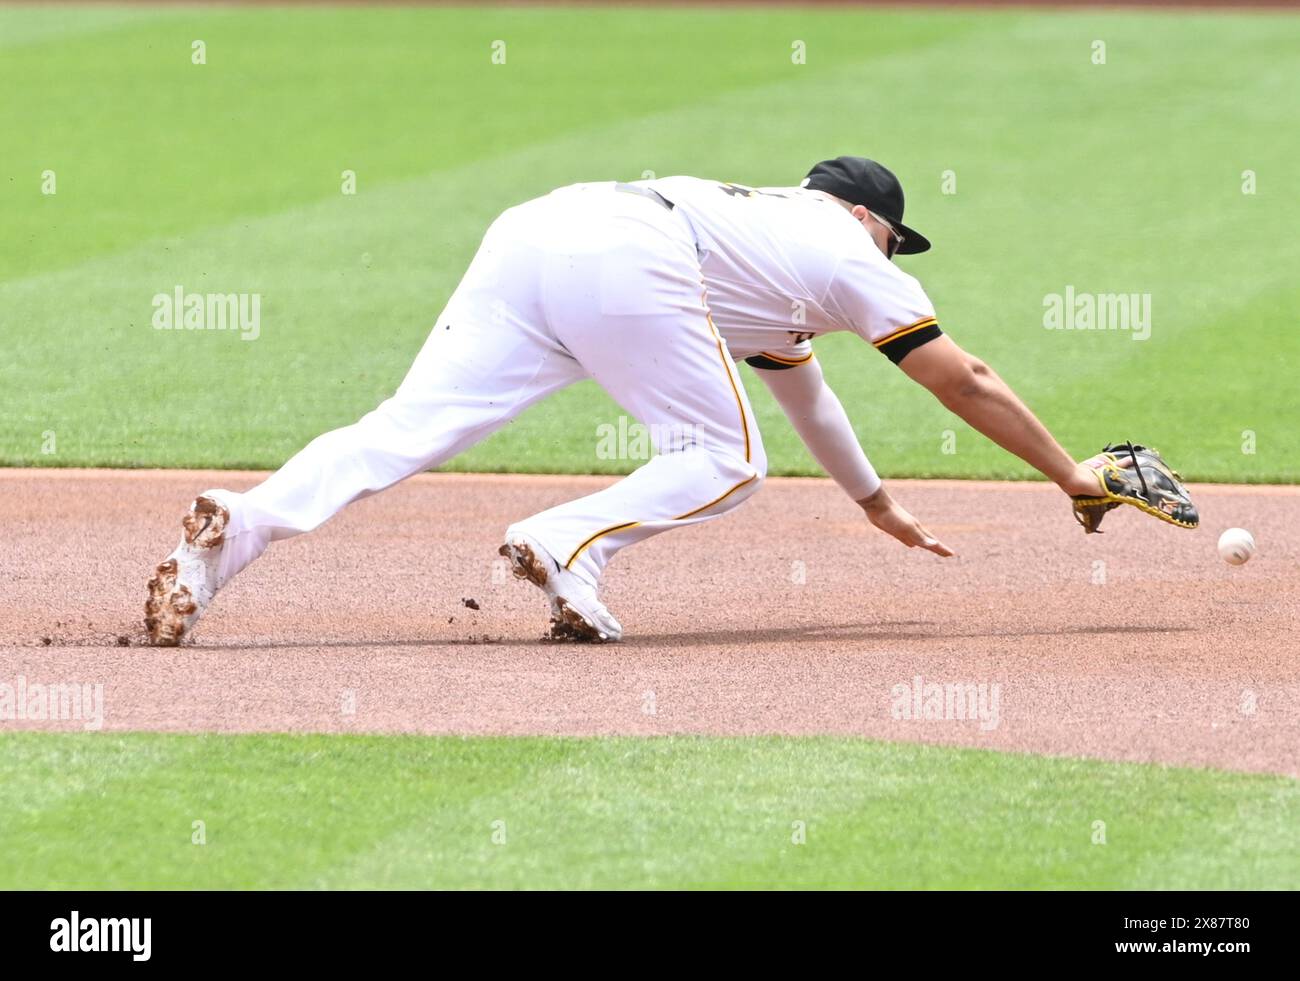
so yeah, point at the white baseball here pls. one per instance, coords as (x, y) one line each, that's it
(1236, 546)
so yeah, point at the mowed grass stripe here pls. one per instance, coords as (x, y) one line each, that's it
(418, 812)
(985, 820)
(24, 24)
(1047, 197)
(1099, 177)
(276, 812)
(61, 797)
(368, 274)
(289, 98)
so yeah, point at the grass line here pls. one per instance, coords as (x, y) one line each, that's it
(315, 811)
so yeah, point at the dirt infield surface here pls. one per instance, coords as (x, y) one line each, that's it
(790, 615)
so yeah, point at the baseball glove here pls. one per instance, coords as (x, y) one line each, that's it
(1132, 474)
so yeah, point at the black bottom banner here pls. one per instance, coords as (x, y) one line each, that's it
(140, 930)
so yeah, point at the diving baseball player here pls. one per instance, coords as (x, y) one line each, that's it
(654, 289)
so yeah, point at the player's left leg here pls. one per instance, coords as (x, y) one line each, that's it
(490, 355)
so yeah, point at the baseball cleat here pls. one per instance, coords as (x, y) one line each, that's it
(184, 584)
(576, 614)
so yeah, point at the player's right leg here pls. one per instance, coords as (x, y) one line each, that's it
(489, 356)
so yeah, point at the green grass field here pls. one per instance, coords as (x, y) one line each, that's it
(294, 812)
(225, 177)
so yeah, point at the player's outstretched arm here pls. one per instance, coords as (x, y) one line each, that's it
(818, 417)
(821, 422)
(972, 390)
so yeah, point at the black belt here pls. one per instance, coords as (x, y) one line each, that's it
(645, 192)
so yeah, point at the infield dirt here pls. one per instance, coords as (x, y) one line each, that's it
(791, 615)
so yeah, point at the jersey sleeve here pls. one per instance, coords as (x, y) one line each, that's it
(883, 305)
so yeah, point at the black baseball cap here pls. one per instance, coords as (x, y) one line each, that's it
(858, 180)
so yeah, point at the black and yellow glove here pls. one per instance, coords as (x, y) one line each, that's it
(1132, 474)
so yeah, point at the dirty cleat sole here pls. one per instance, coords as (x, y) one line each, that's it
(576, 614)
(169, 607)
(185, 582)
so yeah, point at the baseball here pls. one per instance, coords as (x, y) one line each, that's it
(1236, 546)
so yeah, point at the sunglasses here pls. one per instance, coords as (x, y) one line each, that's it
(896, 238)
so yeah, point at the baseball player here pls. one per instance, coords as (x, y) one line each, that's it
(655, 289)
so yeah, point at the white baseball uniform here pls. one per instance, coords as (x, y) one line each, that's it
(653, 290)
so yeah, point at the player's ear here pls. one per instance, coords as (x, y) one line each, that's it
(858, 212)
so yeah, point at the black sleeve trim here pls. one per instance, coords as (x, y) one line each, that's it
(771, 364)
(896, 350)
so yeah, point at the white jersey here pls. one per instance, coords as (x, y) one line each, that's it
(591, 283)
(782, 265)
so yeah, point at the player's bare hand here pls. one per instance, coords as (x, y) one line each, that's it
(894, 519)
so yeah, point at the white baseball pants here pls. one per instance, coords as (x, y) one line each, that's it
(587, 282)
